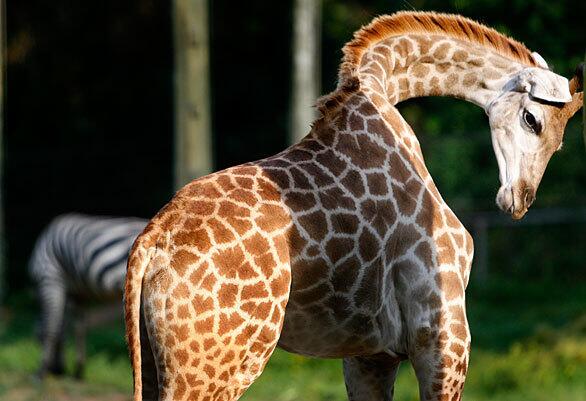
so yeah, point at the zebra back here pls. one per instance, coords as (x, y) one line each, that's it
(85, 253)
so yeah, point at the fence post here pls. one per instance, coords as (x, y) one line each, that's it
(193, 154)
(306, 66)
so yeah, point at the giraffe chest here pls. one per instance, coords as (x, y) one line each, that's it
(350, 288)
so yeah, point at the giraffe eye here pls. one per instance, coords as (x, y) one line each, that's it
(531, 122)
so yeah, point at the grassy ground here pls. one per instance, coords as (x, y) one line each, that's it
(529, 343)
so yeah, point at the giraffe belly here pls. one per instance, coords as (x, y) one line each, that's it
(338, 331)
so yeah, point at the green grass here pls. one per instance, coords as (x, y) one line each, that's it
(107, 370)
(529, 343)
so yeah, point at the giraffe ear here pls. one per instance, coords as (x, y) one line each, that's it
(577, 81)
(541, 84)
(540, 60)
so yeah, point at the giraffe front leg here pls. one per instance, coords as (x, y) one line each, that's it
(370, 378)
(439, 355)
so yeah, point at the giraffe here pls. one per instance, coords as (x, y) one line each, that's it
(341, 246)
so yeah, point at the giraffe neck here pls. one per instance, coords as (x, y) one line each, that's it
(418, 65)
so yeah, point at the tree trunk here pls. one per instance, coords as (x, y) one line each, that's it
(306, 66)
(193, 153)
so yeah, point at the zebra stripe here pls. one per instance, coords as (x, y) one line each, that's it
(82, 257)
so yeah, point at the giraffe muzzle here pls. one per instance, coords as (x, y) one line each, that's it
(515, 200)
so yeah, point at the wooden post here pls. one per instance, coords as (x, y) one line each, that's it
(306, 66)
(2, 89)
(193, 147)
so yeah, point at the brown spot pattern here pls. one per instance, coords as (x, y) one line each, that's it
(316, 229)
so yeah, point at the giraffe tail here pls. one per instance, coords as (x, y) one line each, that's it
(138, 261)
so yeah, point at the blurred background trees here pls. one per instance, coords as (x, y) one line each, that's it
(90, 113)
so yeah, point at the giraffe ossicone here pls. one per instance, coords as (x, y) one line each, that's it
(341, 246)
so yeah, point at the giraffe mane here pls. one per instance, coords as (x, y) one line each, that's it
(405, 22)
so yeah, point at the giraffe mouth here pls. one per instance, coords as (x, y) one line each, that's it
(515, 200)
(518, 215)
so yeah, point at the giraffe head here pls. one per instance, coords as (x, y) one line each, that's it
(527, 121)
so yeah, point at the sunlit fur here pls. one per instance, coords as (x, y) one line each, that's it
(339, 246)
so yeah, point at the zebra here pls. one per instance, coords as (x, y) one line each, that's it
(79, 258)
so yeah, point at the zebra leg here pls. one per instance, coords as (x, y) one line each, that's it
(88, 319)
(52, 294)
(57, 365)
(80, 329)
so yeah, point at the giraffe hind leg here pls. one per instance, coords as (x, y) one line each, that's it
(370, 378)
(209, 355)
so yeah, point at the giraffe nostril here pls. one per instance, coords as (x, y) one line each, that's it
(529, 198)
